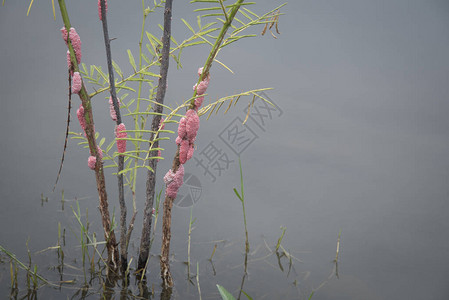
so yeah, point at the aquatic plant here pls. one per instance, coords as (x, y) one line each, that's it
(132, 153)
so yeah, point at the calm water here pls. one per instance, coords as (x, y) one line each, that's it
(357, 143)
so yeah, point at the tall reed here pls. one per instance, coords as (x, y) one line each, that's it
(109, 234)
(155, 125)
(166, 276)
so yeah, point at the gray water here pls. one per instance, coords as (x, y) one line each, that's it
(357, 143)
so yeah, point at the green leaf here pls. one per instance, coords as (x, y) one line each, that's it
(150, 50)
(198, 21)
(109, 147)
(204, 1)
(238, 195)
(105, 78)
(85, 72)
(131, 59)
(246, 15)
(125, 87)
(101, 142)
(236, 38)
(145, 58)
(247, 10)
(247, 296)
(193, 44)
(150, 74)
(78, 138)
(207, 31)
(152, 38)
(225, 295)
(208, 8)
(174, 41)
(188, 25)
(311, 295)
(117, 69)
(211, 15)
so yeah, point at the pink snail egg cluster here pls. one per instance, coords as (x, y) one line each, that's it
(74, 39)
(200, 89)
(174, 181)
(99, 8)
(120, 133)
(81, 119)
(112, 111)
(91, 162)
(187, 132)
(162, 124)
(77, 83)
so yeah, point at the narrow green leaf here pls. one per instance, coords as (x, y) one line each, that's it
(150, 50)
(85, 72)
(248, 11)
(204, 1)
(238, 195)
(100, 72)
(207, 31)
(240, 21)
(125, 87)
(208, 8)
(138, 79)
(150, 74)
(310, 297)
(193, 44)
(211, 15)
(109, 147)
(235, 39)
(145, 58)
(78, 138)
(117, 68)
(131, 60)
(247, 296)
(154, 38)
(188, 25)
(245, 14)
(225, 295)
(198, 21)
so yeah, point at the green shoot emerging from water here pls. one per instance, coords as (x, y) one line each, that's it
(241, 196)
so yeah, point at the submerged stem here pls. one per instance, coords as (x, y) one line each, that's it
(109, 233)
(121, 195)
(152, 163)
(167, 280)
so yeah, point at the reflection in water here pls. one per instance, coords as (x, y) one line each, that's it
(245, 272)
(274, 266)
(166, 293)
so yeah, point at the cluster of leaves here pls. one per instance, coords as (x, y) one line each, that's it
(137, 156)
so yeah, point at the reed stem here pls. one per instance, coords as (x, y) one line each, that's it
(121, 195)
(109, 234)
(152, 163)
(167, 280)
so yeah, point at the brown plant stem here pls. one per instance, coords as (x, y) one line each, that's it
(152, 163)
(66, 130)
(109, 235)
(124, 241)
(167, 280)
